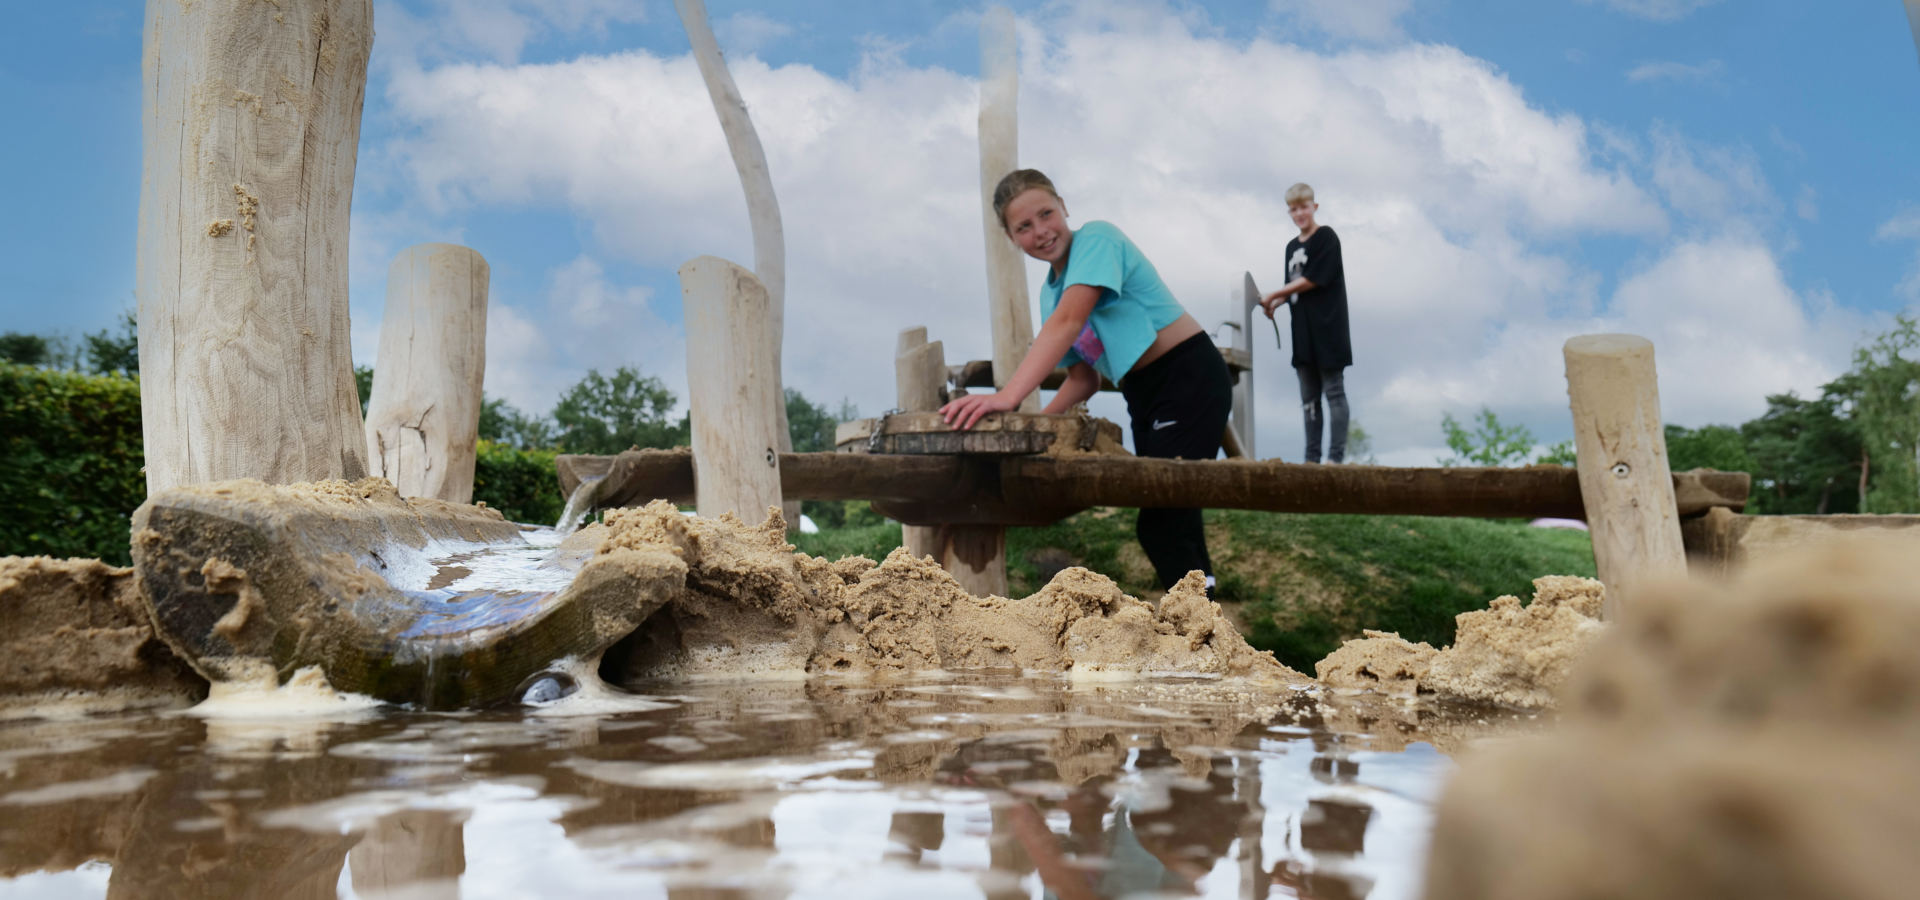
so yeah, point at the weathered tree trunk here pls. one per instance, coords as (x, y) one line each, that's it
(763, 209)
(251, 122)
(424, 417)
(1624, 480)
(731, 383)
(999, 155)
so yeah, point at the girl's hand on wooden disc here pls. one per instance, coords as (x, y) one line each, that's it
(961, 414)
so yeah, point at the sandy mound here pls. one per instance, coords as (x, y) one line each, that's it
(1381, 661)
(73, 632)
(1506, 654)
(755, 607)
(1755, 739)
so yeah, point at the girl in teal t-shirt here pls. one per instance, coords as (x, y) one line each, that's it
(1107, 313)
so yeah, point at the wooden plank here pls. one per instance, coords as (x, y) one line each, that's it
(997, 434)
(978, 373)
(252, 123)
(424, 416)
(1628, 491)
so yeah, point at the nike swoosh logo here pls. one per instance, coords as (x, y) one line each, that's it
(1159, 425)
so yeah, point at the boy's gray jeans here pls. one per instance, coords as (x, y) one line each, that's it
(1332, 382)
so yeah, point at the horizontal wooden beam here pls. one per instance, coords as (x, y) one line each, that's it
(1028, 490)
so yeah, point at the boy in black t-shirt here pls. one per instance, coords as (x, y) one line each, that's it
(1317, 288)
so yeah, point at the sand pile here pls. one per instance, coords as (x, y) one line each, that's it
(1506, 654)
(73, 633)
(752, 606)
(1755, 739)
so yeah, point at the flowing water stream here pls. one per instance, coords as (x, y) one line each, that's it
(977, 785)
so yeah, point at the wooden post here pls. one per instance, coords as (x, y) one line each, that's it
(976, 556)
(1624, 481)
(731, 383)
(999, 155)
(424, 416)
(913, 364)
(251, 117)
(763, 208)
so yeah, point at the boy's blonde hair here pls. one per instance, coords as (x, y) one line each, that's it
(1299, 193)
(1017, 182)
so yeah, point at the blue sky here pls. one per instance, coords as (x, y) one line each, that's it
(1735, 179)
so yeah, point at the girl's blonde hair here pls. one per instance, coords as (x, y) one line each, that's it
(1017, 182)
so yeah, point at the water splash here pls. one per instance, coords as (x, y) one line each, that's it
(579, 506)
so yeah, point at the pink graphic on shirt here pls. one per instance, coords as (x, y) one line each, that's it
(1088, 345)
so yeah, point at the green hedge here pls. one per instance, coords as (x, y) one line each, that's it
(71, 454)
(521, 484)
(70, 459)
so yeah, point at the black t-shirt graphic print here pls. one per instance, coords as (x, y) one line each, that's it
(1320, 336)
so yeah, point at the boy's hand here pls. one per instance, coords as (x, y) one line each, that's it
(964, 412)
(1272, 301)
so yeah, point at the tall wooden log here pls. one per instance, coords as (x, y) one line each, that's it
(1624, 481)
(916, 391)
(251, 119)
(999, 155)
(731, 383)
(763, 208)
(424, 416)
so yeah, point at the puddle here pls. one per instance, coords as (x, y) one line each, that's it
(988, 786)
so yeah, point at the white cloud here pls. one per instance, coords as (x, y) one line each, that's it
(496, 29)
(537, 350)
(747, 33)
(1366, 20)
(1905, 226)
(1453, 196)
(1656, 10)
(1664, 70)
(1807, 205)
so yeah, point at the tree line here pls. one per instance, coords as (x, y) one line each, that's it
(1851, 448)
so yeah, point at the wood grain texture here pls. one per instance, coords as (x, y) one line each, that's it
(424, 417)
(920, 377)
(731, 386)
(1027, 489)
(251, 121)
(763, 208)
(1626, 488)
(1007, 302)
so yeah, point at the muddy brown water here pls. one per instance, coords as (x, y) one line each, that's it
(977, 785)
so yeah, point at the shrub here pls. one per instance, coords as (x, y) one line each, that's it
(70, 463)
(521, 484)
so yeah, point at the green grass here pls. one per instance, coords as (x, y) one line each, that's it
(1301, 584)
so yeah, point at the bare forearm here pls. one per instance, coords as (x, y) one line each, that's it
(1052, 343)
(1082, 383)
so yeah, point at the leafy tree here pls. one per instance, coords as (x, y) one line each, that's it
(608, 415)
(108, 354)
(363, 379)
(24, 349)
(502, 423)
(1720, 447)
(1884, 392)
(1490, 444)
(812, 425)
(1359, 445)
(1561, 454)
(1805, 456)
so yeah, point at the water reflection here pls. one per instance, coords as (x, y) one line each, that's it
(974, 786)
